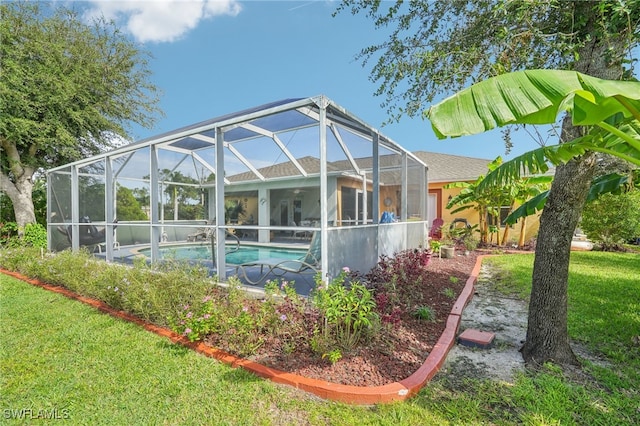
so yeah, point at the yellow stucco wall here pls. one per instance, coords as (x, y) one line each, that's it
(531, 226)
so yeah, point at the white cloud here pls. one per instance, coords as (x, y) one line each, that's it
(161, 20)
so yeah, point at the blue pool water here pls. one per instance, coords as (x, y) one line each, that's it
(246, 253)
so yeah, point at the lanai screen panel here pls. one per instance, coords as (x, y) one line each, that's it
(59, 207)
(59, 199)
(132, 190)
(416, 194)
(181, 192)
(91, 191)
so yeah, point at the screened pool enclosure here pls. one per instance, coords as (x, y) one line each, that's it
(275, 175)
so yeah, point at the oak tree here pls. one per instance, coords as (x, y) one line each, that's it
(68, 90)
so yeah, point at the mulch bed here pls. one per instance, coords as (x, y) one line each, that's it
(399, 349)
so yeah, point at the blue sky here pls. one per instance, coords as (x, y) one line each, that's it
(211, 58)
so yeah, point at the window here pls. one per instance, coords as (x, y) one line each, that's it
(504, 212)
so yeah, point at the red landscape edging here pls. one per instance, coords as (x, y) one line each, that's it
(397, 391)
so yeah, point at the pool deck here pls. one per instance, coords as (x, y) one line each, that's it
(304, 282)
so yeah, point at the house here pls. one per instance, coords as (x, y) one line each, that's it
(290, 168)
(445, 169)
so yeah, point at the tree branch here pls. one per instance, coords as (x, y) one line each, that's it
(13, 157)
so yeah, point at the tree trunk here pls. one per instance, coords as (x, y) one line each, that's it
(547, 331)
(523, 229)
(20, 186)
(20, 194)
(505, 235)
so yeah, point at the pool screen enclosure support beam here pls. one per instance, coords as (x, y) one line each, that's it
(375, 194)
(324, 252)
(75, 209)
(404, 188)
(219, 258)
(109, 208)
(154, 182)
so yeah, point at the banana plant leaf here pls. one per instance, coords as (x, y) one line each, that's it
(533, 97)
(611, 107)
(612, 183)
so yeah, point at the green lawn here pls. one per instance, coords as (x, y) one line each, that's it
(58, 354)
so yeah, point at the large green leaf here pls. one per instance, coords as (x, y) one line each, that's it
(528, 208)
(530, 163)
(615, 142)
(612, 183)
(533, 97)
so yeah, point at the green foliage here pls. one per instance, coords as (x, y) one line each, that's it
(128, 206)
(233, 210)
(398, 283)
(68, 88)
(333, 356)
(33, 235)
(153, 293)
(241, 324)
(187, 197)
(436, 48)
(611, 107)
(487, 199)
(425, 313)
(348, 312)
(611, 220)
(64, 80)
(197, 322)
(470, 243)
(8, 231)
(449, 292)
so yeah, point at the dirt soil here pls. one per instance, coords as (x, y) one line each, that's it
(399, 350)
(502, 315)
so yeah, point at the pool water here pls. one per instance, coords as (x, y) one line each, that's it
(245, 254)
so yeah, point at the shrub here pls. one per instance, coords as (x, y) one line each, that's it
(348, 312)
(154, 293)
(242, 324)
(33, 235)
(8, 230)
(612, 219)
(397, 282)
(449, 292)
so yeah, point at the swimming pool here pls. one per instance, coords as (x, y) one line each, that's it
(245, 254)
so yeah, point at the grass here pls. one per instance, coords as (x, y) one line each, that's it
(58, 354)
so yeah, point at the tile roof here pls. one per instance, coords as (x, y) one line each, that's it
(442, 167)
(452, 168)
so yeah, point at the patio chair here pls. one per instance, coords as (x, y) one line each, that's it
(435, 231)
(279, 267)
(89, 234)
(203, 234)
